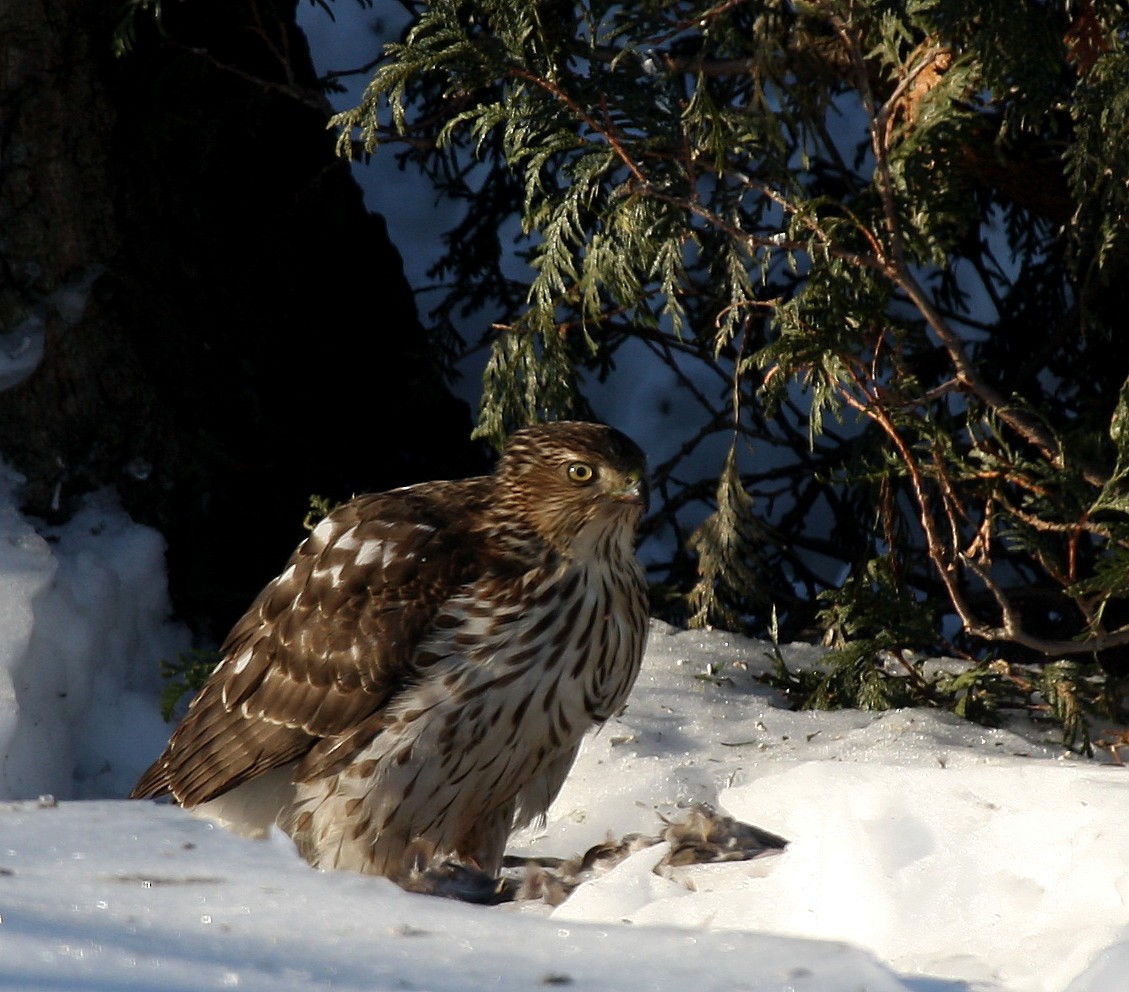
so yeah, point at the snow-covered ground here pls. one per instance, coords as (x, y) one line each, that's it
(926, 854)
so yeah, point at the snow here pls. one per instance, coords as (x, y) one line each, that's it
(926, 854)
(131, 896)
(21, 350)
(83, 624)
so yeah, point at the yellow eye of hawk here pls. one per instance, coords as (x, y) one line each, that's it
(581, 473)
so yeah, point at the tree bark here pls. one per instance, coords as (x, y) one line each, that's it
(226, 329)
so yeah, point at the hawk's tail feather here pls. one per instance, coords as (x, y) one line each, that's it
(154, 783)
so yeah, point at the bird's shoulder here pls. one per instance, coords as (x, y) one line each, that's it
(358, 591)
(330, 639)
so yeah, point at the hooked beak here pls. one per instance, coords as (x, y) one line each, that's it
(636, 491)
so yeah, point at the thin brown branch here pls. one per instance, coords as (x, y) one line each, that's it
(755, 241)
(697, 21)
(696, 66)
(294, 91)
(934, 545)
(719, 422)
(1083, 526)
(954, 508)
(334, 74)
(607, 133)
(1011, 628)
(662, 350)
(893, 263)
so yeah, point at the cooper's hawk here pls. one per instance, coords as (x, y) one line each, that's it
(420, 675)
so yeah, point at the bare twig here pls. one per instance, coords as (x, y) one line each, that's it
(893, 263)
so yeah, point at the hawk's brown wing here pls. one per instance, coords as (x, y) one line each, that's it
(325, 644)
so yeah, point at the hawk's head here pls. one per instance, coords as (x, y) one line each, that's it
(578, 484)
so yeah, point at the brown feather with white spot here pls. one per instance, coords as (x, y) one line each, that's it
(423, 670)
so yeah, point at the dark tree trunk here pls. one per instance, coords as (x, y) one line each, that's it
(247, 336)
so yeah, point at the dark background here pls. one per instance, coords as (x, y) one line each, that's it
(249, 338)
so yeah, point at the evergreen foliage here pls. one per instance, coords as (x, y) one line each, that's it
(895, 231)
(184, 676)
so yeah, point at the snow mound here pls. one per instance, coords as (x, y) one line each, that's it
(135, 896)
(84, 623)
(986, 857)
(942, 872)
